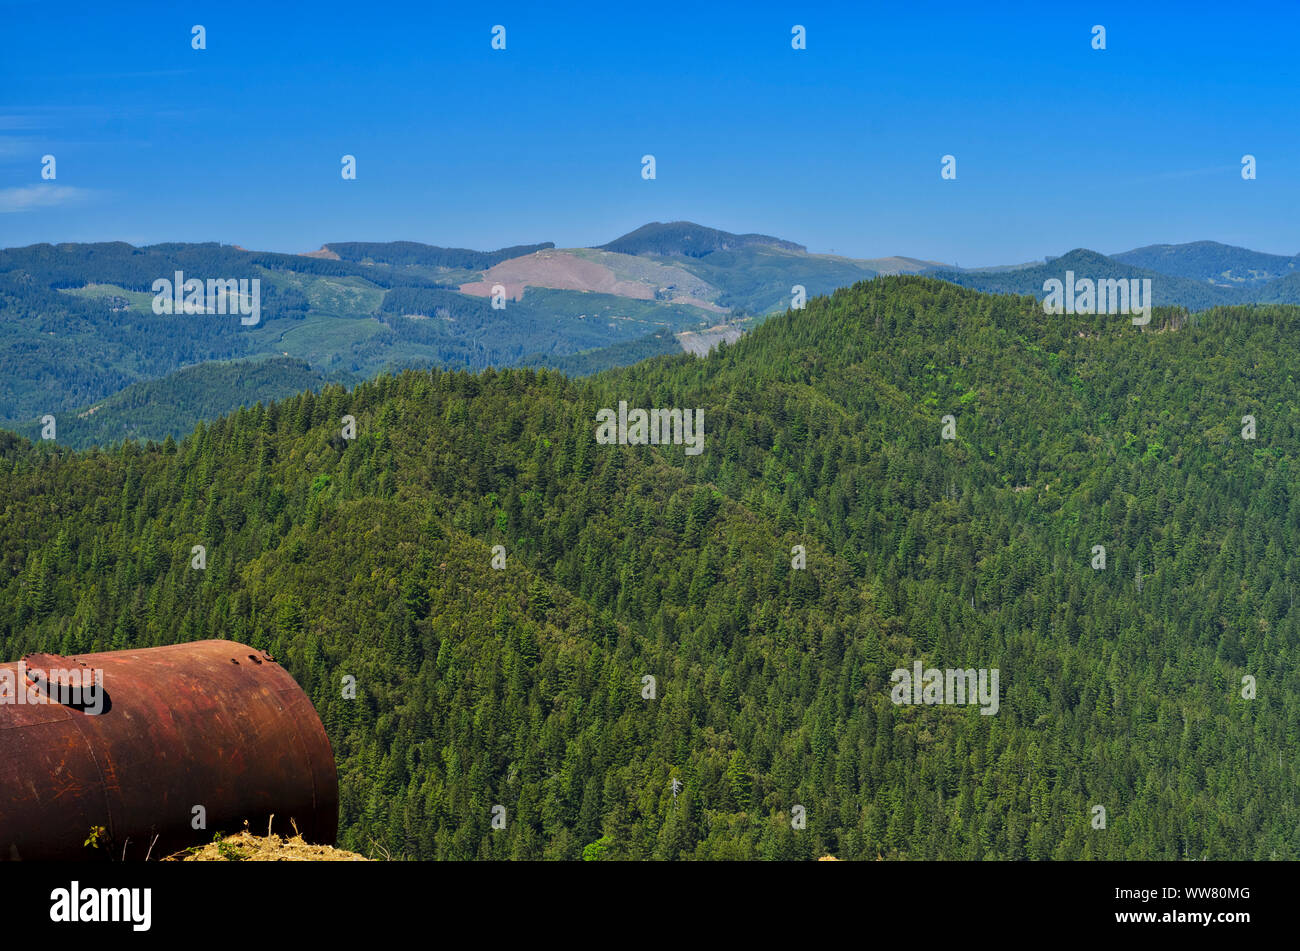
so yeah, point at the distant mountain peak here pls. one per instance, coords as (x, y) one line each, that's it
(1213, 262)
(1083, 257)
(1187, 246)
(687, 239)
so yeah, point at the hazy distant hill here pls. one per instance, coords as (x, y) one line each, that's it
(1211, 262)
(758, 279)
(1166, 290)
(406, 253)
(896, 264)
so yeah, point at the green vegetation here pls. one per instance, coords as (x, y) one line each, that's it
(616, 355)
(172, 405)
(460, 331)
(411, 254)
(76, 321)
(1210, 261)
(118, 298)
(227, 851)
(687, 239)
(97, 839)
(338, 296)
(522, 687)
(1168, 289)
(77, 324)
(759, 280)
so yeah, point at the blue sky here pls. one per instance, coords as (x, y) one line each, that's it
(837, 147)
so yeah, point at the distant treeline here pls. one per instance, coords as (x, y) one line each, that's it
(1168, 290)
(116, 262)
(170, 406)
(412, 253)
(604, 358)
(59, 351)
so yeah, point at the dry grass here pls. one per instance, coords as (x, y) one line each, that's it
(246, 847)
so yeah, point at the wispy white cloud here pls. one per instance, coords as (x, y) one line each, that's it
(28, 197)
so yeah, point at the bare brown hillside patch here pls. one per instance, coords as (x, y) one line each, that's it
(558, 270)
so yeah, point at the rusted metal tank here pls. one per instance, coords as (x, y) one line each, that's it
(212, 724)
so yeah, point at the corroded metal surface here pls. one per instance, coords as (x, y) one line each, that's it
(212, 724)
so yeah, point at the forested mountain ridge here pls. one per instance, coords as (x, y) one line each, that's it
(1196, 276)
(1211, 261)
(77, 324)
(523, 686)
(687, 239)
(172, 405)
(1168, 290)
(411, 253)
